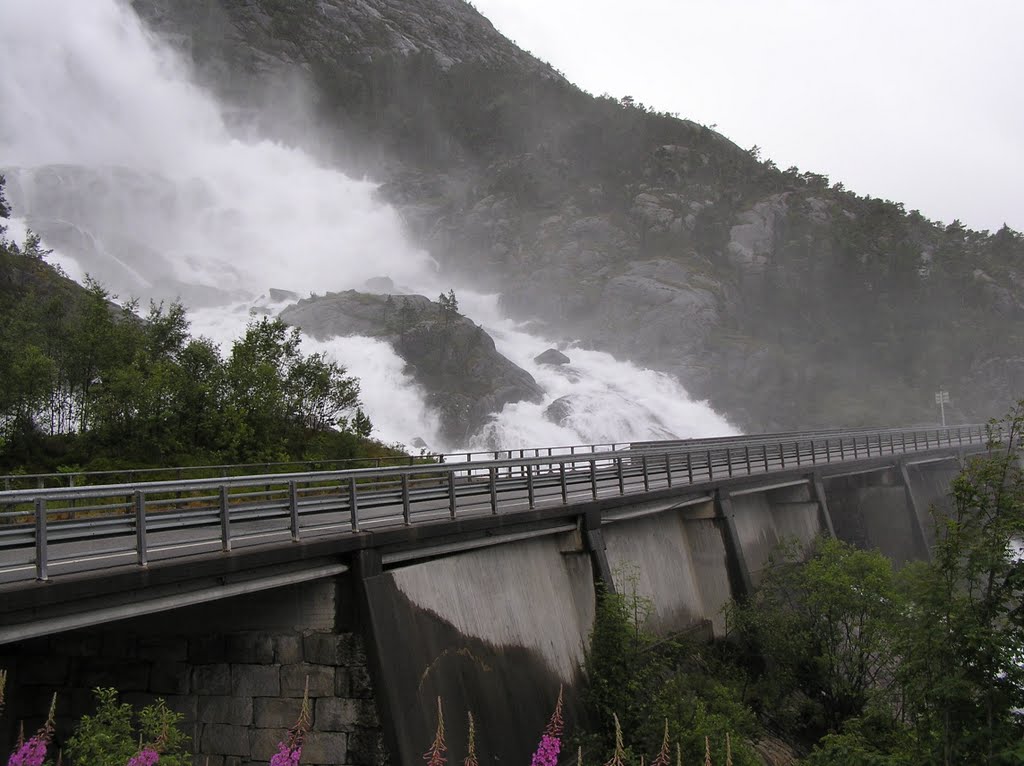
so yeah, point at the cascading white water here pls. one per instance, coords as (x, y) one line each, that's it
(128, 167)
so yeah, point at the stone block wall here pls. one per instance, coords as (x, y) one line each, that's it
(239, 692)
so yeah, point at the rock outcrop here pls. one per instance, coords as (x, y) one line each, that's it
(786, 301)
(454, 360)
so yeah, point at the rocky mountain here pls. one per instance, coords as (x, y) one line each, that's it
(453, 359)
(784, 299)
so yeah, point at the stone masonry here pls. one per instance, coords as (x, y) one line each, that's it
(239, 692)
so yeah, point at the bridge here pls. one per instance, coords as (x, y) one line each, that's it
(445, 577)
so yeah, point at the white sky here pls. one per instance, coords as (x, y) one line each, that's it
(918, 101)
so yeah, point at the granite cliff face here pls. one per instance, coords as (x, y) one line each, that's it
(786, 300)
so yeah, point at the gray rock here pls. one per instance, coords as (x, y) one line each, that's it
(551, 356)
(295, 677)
(380, 285)
(256, 680)
(271, 713)
(225, 739)
(559, 410)
(466, 379)
(225, 709)
(278, 296)
(211, 679)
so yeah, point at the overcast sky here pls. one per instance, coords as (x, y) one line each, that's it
(918, 101)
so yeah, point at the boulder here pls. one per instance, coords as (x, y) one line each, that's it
(454, 360)
(551, 356)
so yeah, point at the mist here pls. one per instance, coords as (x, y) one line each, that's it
(137, 176)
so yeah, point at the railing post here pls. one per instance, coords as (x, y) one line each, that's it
(565, 488)
(689, 466)
(814, 458)
(493, 487)
(828, 450)
(855, 448)
(915, 441)
(782, 456)
(41, 552)
(293, 509)
(225, 520)
(842, 448)
(406, 506)
(728, 460)
(796, 444)
(451, 494)
(668, 469)
(529, 486)
(647, 476)
(746, 455)
(711, 471)
(353, 504)
(142, 556)
(622, 480)
(593, 478)
(764, 455)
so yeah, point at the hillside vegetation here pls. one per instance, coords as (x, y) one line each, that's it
(89, 384)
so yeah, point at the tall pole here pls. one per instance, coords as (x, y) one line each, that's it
(942, 399)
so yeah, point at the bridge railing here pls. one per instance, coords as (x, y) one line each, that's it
(74, 529)
(70, 479)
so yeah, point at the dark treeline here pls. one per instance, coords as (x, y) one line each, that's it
(87, 383)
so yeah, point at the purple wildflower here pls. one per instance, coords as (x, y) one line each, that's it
(33, 752)
(551, 742)
(547, 751)
(145, 757)
(286, 756)
(289, 752)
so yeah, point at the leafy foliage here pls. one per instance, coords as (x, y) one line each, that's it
(648, 684)
(85, 381)
(825, 630)
(112, 737)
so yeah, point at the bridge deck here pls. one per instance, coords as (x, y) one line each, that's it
(54, 532)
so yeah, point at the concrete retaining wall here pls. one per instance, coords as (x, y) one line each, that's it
(677, 563)
(764, 519)
(870, 510)
(495, 631)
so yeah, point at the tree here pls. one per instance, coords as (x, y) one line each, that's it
(650, 683)
(826, 630)
(964, 643)
(318, 392)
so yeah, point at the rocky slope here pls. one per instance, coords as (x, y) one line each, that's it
(786, 300)
(455, 361)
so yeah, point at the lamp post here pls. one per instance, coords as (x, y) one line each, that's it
(942, 399)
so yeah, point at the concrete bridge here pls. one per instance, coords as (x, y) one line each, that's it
(473, 579)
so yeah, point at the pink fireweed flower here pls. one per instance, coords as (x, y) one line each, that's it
(33, 752)
(145, 757)
(547, 751)
(289, 752)
(285, 756)
(551, 741)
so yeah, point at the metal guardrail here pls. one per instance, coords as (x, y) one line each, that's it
(69, 479)
(76, 529)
